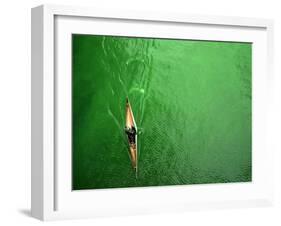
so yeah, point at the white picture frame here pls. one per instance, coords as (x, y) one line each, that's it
(52, 197)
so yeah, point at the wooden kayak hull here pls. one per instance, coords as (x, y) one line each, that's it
(131, 132)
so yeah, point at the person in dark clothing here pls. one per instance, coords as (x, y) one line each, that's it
(131, 133)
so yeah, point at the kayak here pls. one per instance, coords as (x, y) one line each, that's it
(131, 132)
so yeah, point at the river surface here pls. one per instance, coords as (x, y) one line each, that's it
(192, 106)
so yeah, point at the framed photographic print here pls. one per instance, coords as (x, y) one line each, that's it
(140, 112)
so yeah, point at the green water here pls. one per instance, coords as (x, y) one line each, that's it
(192, 105)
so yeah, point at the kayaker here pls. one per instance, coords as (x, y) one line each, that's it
(131, 133)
